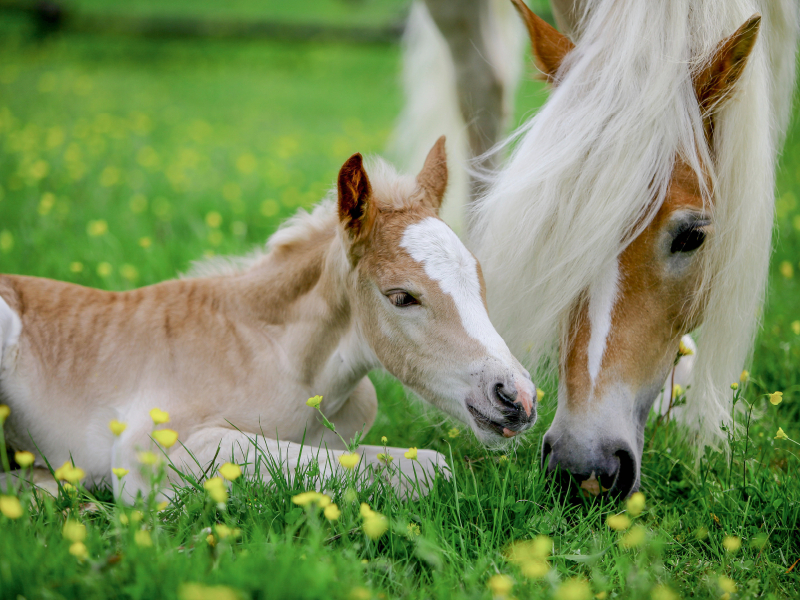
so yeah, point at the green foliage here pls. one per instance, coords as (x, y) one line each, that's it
(205, 147)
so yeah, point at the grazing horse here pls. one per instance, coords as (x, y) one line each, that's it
(637, 206)
(372, 279)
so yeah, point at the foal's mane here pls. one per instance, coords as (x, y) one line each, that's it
(390, 190)
(591, 169)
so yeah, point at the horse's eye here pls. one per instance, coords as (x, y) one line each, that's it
(688, 240)
(402, 299)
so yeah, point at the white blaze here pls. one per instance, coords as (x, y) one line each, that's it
(447, 261)
(602, 297)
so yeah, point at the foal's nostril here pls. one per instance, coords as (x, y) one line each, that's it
(507, 397)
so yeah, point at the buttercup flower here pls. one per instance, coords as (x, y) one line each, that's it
(67, 472)
(230, 471)
(314, 401)
(796, 327)
(24, 459)
(732, 543)
(332, 512)
(539, 394)
(166, 437)
(162, 505)
(74, 531)
(535, 569)
(500, 585)
(636, 504)
(662, 592)
(781, 435)
(4, 412)
(159, 416)
(147, 457)
(734, 386)
(453, 433)
(676, 391)
(142, 538)
(117, 427)
(574, 589)
(119, 472)
(223, 531)
(216, 489)
(97, 228)
(412, 530)
(776, 398)
(411, 454)
(349, 460)
(618, 522)
(10, 507)
(385, 458)
(375, 526)
(684, 350)
(306, 498)
(744, 376)
(634, 537)
(727, 584)
(384, 439)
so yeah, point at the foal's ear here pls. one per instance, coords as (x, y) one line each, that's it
(548, 45)
(356, 210)
(432, 179)
(713, 84)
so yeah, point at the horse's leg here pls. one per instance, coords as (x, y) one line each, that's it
(356, 414)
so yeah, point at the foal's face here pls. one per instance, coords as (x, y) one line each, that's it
(421, 305)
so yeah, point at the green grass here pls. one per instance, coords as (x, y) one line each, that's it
(150, 137)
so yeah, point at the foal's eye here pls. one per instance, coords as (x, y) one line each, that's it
(687, 240)
(402, 299)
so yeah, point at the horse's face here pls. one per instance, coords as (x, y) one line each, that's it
(623, 340)
(623, 334)
(421, 306)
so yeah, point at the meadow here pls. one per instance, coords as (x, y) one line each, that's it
(122, 160)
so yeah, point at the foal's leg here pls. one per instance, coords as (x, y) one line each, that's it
(357, 414)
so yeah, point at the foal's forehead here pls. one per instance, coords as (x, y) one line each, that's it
(430, 242)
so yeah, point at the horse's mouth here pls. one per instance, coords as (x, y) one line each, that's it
(488, 424)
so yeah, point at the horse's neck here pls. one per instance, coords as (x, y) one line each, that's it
(302, 295)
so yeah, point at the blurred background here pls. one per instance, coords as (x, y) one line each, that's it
(138, 136)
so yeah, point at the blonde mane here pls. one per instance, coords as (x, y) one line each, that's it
(590, 170)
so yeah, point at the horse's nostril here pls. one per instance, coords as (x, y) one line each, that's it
(626, 472)
(506, 396)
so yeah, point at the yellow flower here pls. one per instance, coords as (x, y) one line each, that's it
(384, 439)
(535, 569)
(97, 228)
(636, 504)
(676, 391)
(6, 241)
(634, 537)
(216, 489)
(332, 512)
(10, 507)
(213, 219)
(732, 543)
(159, 416)
(500, 585)
(197, 591)
(385, 458)
(104, 269)
(453, 433)
(734, 386)
(574, 589)
(230, 471)
(117, 427)
(78, 550)
(744, 376)
(119, 472)
(375, 526)
(74, 531)
(76, 267)
(539, 394)
(67, 472)
(349, 460)
(211, 540)
(4, 412)
(727, 584)
(618, 522)
(223, 531)
(786, 269)
(129, 272)
(136, 516)
(796, 327)
(781, 435)
(360, 593)
(314, 401)
(776, 398)
(147, 457)
(684, 350)
(538, 548)
(142, 538)
(145, 242)
(166, 437)
(162, 505)
(412, 530)
(69, 489)
(662, 592)
(601, 595)
(24, 459)
(306, 498)
(411, 454)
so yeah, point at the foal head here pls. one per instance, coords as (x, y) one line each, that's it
(622, 336)
(420, 300)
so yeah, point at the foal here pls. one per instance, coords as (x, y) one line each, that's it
(373, 279)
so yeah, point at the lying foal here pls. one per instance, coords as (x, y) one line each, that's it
(373, 279)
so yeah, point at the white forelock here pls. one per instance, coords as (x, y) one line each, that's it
(592, 167)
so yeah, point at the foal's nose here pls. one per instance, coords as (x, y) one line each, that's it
(515, 404)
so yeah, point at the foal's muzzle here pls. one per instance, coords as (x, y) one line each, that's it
(510, 409)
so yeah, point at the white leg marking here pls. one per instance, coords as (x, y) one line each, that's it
(602, 297)
(448, 262)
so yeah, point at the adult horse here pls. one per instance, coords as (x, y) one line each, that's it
(636, 206)
(372, 279)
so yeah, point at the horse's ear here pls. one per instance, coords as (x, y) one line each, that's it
(713, 84)
(432, 179)
(548, 45)
(356, 209)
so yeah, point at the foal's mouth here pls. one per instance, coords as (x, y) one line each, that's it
(489, 424)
